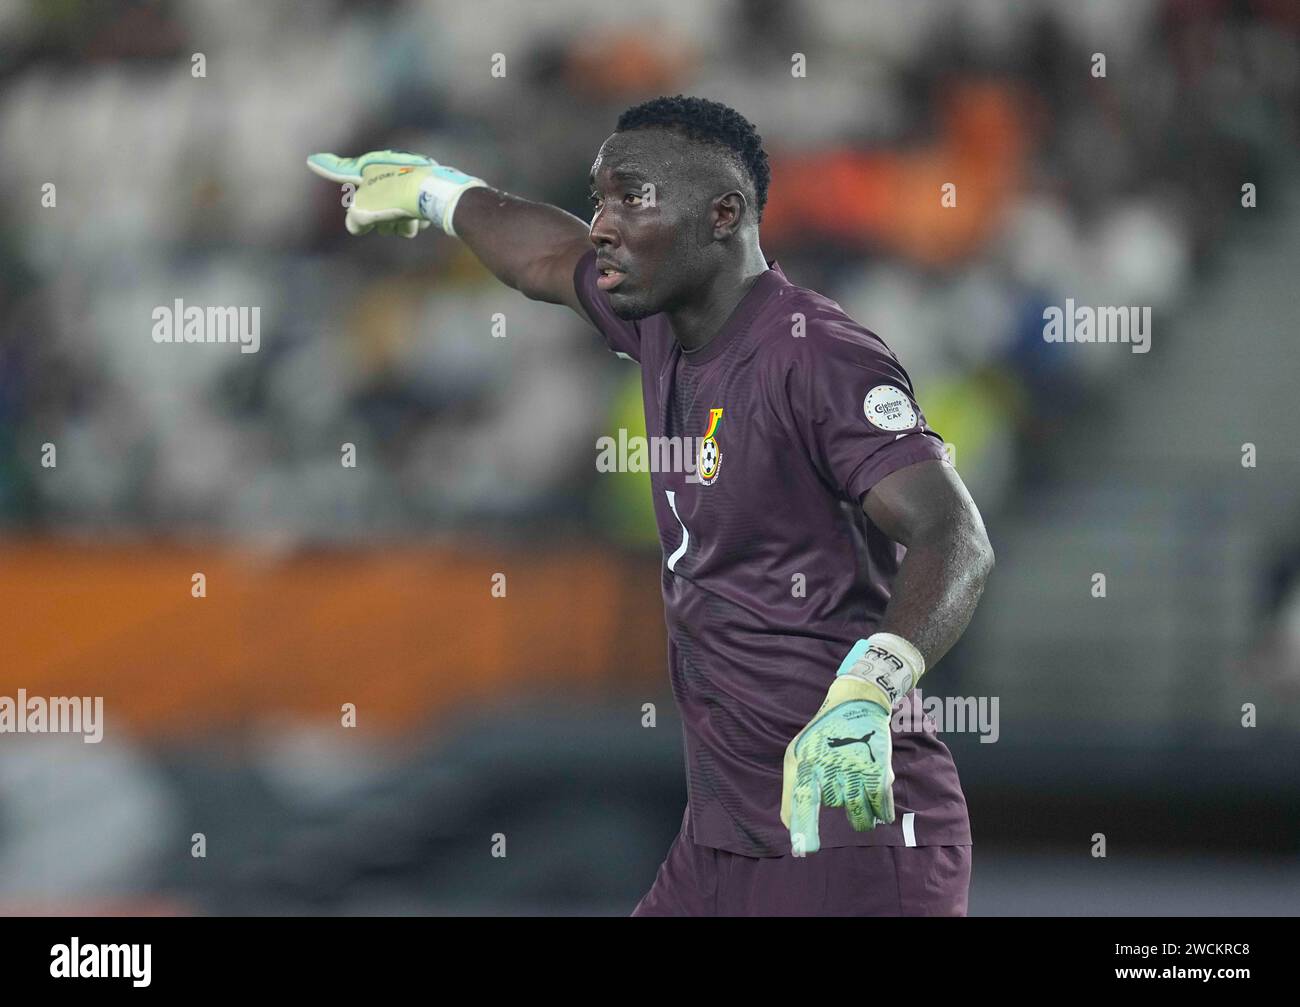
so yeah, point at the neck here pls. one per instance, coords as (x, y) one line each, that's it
(696, 324)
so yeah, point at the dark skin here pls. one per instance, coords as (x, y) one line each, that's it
(693, 253)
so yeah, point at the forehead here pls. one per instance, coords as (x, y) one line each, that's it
(644, 152)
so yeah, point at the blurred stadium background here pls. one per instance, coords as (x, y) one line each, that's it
(523, 715)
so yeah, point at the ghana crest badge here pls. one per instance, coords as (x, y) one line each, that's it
(710, 454)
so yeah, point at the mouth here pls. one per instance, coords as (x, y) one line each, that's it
(609, 278)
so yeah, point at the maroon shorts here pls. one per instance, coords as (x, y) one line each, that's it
(844, 881)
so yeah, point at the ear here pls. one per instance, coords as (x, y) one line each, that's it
(729, 211)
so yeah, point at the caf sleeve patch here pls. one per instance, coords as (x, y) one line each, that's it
(889, 408)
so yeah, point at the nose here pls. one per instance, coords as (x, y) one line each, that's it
(603, 234)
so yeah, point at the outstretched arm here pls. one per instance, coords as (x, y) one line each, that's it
(531, 247)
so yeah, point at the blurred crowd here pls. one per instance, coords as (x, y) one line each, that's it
(173, 133)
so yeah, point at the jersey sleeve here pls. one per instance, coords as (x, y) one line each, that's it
(848, 401)
(623, 337)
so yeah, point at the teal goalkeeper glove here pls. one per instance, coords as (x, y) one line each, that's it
(844, 757)
(396, 192)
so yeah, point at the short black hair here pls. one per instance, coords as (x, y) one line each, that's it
(708, 122)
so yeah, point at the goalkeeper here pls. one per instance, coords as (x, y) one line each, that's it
(817, 524)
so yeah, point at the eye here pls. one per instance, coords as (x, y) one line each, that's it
(594, 197)
(635, 196)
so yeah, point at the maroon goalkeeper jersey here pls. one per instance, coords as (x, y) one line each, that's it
(772, 572)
